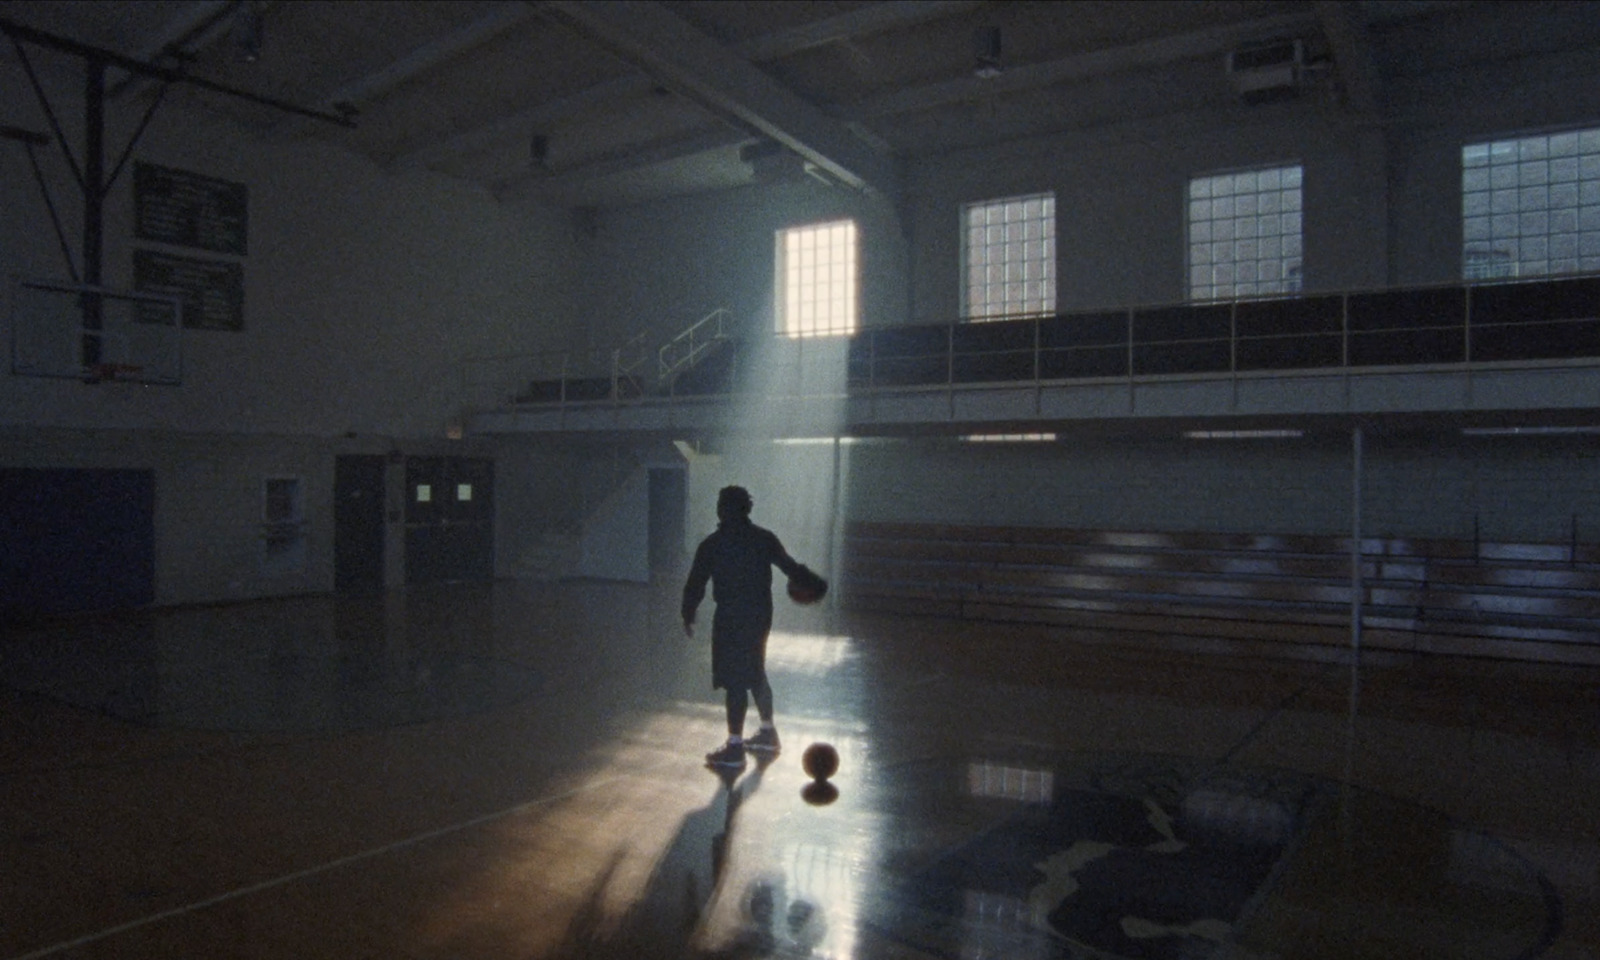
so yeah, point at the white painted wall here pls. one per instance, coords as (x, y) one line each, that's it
(1383, 208)
(615, 544)
(659, 267)
(1510, 488)
(364, 293)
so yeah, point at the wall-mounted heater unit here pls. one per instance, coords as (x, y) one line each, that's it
(1265, 72)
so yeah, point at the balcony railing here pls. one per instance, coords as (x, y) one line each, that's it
(1438, 326)
(1463, 324)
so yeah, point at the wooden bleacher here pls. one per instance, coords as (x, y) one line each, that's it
(1290, 594)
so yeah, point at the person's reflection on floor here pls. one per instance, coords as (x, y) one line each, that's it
(661, 922)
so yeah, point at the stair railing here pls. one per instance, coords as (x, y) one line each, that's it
(624, 361)
(683, 350)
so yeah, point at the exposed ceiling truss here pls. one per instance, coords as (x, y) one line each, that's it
(595, 102)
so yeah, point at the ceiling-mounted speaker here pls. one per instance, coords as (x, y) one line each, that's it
(1265, 72)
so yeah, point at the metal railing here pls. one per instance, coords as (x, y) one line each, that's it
(687, 348)
(558, 376)
(1455, 326)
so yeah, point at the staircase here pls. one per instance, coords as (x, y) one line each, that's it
(691, 352)
(699, 360)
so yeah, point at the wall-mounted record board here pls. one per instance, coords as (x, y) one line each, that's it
(190, 210)
(212, 290)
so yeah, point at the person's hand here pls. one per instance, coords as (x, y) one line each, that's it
(688, 628)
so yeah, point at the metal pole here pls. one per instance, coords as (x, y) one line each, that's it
(833, 524)
(1346, 821)
(94, 123)
(1356, 573)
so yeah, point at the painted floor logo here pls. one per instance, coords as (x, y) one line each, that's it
(1142, 862)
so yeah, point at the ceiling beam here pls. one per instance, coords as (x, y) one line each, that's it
(683, 59)
(540, 184)
(193, 29)
(424, 58)
(519, 125)
(859, 22)
(1345, 27)
(1082, 66)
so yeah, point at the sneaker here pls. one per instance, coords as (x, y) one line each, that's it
(729, 755)
(765, 740)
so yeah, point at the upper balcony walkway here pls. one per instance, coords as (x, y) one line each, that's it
(1522, 352)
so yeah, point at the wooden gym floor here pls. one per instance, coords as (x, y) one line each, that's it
(515, 771)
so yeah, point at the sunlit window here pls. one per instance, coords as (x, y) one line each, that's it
(1530, 206)
(1245, 234)
(818, 280)
(1008, 252)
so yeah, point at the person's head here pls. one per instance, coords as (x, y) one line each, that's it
(734, 503)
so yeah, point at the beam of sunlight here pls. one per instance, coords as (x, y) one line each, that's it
(799, 883)
(792, 389)
(807, 653)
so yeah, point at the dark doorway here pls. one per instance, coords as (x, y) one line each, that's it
(358, 523)
(668, 493)
(75, 541)
(449, 519)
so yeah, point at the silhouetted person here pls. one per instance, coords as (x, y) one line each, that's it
(737, 560)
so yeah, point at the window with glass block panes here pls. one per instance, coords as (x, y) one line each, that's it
(1245, 234)
(1008, 252)
(818, 280)
(1530, 206)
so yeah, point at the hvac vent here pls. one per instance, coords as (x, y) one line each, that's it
(1269, 71)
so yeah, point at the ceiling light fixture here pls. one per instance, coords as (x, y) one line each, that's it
(1243, 434)
(986, 53)
(1526, 431)
(247, 32)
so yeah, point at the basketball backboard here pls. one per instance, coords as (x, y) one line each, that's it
(65, 330)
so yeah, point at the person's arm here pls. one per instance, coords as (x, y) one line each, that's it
(694, 589)
(795, 570)
(782, 560)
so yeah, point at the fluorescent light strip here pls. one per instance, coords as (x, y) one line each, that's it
(1009, 437)
(1242, 434)
(1526, 431)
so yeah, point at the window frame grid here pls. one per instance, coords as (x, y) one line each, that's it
(1223, 230)
(1533, 198)
(818, 290)
(1018, 267)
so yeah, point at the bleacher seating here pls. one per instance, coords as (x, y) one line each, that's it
(1289, 594)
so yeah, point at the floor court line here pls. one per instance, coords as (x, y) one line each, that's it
(1273, 714)
(199, 905)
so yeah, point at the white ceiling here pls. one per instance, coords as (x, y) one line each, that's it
(601, 102)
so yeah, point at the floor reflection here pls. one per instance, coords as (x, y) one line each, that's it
(502, 771)
(299, 665)
(1164, 858)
